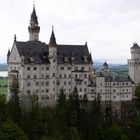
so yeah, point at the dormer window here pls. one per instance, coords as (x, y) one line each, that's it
(22, 59)
(85, 59)
(72, 59)
(32, 59)
(66, 59)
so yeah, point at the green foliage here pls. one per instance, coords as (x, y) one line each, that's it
(13, 106)
(10, 131)
(137, 94)
(70, 119)
(3, 86)
(115, 133)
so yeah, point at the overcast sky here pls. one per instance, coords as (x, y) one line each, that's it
(109, 26)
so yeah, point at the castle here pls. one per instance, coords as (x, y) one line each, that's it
(43, 69)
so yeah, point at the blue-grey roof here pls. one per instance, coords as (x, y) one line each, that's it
(39, 52)
(34, 17)
(117, 79)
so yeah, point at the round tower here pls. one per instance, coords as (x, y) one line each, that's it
(134, 63)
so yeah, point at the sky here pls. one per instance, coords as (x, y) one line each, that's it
(110, 27)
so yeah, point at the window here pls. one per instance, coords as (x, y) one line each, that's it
(69, 82)
(53, 74)
(80, 96)
(28, 84)
(42, 75)
(42, 83)
(28, 76)
(60, 75)
(62, 68)
(65, 75)
(35, 68)
(47, 90)
(114, 90)
(54, 60)
(37, 83)
(47, 76)
(76, 68)
(47, 68)
(47, 83)
(42, 98)
(65, 83)
(69, 68)
(58, 82)
(69, 76)
(28, 68)
(28, 91)
(85, 89)
(80, 90)
(82, 68)
(42, 91)
(53, 82)
(85, 75)
(76, 75)
(34, 76)
(92, 90)
(47, 97)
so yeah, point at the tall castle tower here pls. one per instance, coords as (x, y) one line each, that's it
(52, 46)
(33, 28)
(134, 63)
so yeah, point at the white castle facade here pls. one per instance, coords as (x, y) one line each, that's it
(43, 69)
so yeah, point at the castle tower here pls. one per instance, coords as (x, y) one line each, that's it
(33, 28)
(105, 69)
(52, 46)
(134, 63)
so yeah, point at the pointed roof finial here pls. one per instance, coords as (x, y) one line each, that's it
(15, 38)
(34, 19)
(34, 4)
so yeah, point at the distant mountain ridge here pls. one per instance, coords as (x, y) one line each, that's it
(3, 67)
(116, 69)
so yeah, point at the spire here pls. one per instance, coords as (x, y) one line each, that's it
(33, 29)
(52, 39)
(15, 38)
(33, 20)
(105, 64)
(8, 52)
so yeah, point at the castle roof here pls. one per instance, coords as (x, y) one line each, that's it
(117, 79)
(52, 39)
(38, 52)
(135, 46)
(105, 64)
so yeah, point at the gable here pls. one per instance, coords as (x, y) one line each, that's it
(14, 55)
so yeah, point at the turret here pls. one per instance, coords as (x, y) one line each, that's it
(33, 28)
(52, 45)
(105, 69)
(135, 51)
